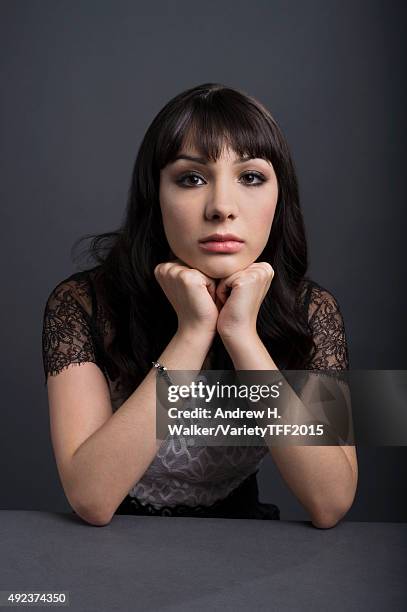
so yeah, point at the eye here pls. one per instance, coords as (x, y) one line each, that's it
(190, 175)
(255, 175)
(193, 177)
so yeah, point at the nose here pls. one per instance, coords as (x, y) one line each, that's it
(221, 204)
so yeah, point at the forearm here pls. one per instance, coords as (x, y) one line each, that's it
(320, 477)
(112, 460)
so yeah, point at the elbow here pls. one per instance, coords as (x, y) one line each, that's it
(97, 521)
(326, 515)
(91, 515)
(326, 518)
(92, 518)
(89, 507)
(325, 521)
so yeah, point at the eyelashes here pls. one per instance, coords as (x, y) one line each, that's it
(188, 175)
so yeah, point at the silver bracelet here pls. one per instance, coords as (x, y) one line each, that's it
(162, 371)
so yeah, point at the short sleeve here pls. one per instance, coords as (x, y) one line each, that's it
(328, 331)
(66, 334)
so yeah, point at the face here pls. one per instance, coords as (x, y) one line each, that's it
(199, 198)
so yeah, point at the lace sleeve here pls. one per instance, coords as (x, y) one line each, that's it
(66, 334)
(328, 329)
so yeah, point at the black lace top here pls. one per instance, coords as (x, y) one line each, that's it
(76, 330)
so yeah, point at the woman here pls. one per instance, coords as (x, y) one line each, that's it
(165, 290)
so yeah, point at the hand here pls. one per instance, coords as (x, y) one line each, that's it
(241, 295)
(192, 295)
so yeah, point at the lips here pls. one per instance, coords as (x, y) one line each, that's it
(221, 246)
(222, 238)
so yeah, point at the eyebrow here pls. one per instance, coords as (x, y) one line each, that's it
(202, 160)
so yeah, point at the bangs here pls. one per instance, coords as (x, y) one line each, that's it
(211, 123)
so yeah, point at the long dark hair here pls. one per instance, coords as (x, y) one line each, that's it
(144, 319)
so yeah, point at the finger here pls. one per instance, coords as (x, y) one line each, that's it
(211, 289)
(209, 282)
(164, 267)
(263, 272)
(222, 292)
(263, 265)
(268, 273)
(225, 286)
(218, 303)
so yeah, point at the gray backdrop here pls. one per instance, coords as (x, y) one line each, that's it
(81, 81)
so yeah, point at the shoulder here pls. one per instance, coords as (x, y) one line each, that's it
(70, 332)
(327, 326)
(74, 291)
(318, 301)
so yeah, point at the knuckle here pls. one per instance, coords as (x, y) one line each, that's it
(190, 275)
(264, 265)
(172, 271)
(195, 276)
(265, 269)
(162, 268)
(167, 267)
(184, 275)
(157, 270)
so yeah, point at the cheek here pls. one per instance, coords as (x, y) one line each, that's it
(178, 226)
(170, 211)
(175, 221)
(264, 221)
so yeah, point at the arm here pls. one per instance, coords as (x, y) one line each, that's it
(101, 455)
(323, 478)
(108, 463)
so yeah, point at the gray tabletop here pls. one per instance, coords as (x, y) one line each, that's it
(176, 564)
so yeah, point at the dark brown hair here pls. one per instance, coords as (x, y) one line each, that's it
(212, 115)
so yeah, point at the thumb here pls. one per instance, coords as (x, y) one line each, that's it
(218, 303)
(212, 290)
(223, 291)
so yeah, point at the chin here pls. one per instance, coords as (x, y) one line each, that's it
(216, 269)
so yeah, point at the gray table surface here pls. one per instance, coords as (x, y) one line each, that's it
(200, 564)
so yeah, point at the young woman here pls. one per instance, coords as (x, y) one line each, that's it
(207, 271)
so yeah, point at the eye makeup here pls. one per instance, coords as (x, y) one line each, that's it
(191, 175)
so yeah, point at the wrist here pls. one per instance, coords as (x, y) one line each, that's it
(197, 336)
(248, 352)
(239, 336)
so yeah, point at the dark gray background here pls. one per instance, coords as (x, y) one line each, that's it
(81, 82)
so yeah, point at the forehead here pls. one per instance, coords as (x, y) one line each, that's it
(227, 154)
(191, 147)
